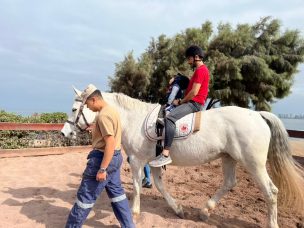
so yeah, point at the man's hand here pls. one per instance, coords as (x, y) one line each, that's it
(176, 102)
(101, 176)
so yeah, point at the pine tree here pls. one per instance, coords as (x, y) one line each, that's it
(132, 77)
(250, 66)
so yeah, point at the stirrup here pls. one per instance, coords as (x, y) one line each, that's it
(160, 121)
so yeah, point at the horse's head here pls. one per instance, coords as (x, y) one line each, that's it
(80, 119)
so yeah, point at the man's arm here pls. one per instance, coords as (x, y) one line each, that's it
(107, 156)
(109, 151)
(193, 92)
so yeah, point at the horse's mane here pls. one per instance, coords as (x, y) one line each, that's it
(129, 103)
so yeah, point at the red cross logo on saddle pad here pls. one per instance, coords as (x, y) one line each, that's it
(184, 128)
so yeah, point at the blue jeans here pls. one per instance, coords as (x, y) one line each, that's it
(176, 114)
(147, 173)
(90, 189)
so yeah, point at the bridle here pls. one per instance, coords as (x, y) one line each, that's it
(79, 115)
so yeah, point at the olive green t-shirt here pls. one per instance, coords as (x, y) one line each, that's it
(107, 123)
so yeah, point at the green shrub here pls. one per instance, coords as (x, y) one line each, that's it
(24, 139)
(10, 117)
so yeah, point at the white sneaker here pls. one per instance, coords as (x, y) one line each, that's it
(160, 161)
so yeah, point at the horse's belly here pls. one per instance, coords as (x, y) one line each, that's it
(179, 159)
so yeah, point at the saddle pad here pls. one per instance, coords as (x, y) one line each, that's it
(184, 126)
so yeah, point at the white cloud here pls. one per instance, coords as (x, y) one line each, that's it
(64, 42)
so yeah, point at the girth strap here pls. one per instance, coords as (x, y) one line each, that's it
(159, 128)
(159, 131)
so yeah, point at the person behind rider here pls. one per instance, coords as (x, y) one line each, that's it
(195, 97)
(177, 86)
(146, 181)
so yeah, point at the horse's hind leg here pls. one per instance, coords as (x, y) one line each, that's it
(270, 191)
(228, 166)
(157, 176)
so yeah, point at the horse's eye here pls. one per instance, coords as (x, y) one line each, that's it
(74, 109)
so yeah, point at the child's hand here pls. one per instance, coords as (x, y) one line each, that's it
(175, 102)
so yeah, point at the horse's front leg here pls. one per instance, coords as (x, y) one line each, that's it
(137, 172)
(157, 176)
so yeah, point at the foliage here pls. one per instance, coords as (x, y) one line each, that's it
(10, 117)
(135, 76)
(23, 139)
(55, 117)
(250, 66)
(13, 139)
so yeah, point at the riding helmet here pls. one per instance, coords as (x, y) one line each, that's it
(194, 50)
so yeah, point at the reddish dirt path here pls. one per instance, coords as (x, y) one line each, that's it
(39, 191)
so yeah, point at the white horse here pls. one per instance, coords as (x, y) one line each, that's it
(231, 133)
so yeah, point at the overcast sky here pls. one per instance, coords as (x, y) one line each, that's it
(48, 46)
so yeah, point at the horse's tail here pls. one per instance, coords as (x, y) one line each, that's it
(288, 175)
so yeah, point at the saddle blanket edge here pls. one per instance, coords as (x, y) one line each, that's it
(184, 126)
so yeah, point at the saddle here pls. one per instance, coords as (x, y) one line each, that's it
(184, 126)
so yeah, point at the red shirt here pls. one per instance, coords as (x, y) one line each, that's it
(201, 76)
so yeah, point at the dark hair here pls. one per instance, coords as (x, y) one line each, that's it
(194, 50)
(96, 93)
(181, 80)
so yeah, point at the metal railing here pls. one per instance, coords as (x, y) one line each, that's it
(30, 126)
(296, 134)
(60, 150)
(9, 126)
(57, 127)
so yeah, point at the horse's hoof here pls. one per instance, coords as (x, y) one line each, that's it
(204, 215)
(135, 215)
(135, 212)
(180, 212)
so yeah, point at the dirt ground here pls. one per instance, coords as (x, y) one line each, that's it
(39, 192)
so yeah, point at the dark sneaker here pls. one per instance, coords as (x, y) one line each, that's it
(147, 185)
(144, 181)
(160, 161)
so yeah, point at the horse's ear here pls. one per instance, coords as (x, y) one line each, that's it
(78, 92)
